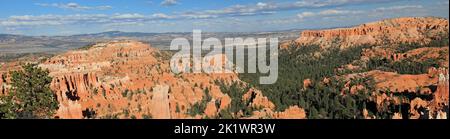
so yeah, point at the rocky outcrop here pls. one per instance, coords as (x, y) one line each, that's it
(440, 101)
(393, 82)
(225, 101)
(293, 112)
(428, 93)
(72, 86)
(440, 54)
(307, 83)
(397, 116)
(70, 110)
(128, 79)
(255, 99)
(442, 92)
(160, 102)
(2, 84)
(416, 106)
(398, 30)
(211, 109)
(69, 90)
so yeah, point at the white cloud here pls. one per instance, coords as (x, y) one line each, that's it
(374, 12)
(343, 15)
(261, 4)
(400, 10)
(330, 3)
(30, 20)
(74, 6)
(169, 2)
(330, 12)
(263, 8)
(52, 20)
(236, 10)
(197, 16)
(162, 16)
(125, 24)
(339, 12)
(128, 16)
(397, 8)
(305, 14)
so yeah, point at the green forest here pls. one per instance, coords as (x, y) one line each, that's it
(325, 101)
(298, 63)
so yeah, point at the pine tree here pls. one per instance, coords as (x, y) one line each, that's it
(30, 96)
(313, 113)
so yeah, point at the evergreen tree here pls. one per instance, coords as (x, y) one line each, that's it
(313, 113)
(30, 96)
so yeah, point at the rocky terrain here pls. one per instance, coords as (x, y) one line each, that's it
(406, 58)
(130, 79)
(398, 30)
(426, 90)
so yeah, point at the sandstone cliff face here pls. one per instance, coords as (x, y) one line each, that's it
(401, 83)
(419, 54)
(387, 31)
(293, 112)
(160, 102)
(428, 93)
(130, 79)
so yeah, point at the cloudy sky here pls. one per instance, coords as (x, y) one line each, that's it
(67, 17)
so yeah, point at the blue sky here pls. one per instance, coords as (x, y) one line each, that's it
(67, 17)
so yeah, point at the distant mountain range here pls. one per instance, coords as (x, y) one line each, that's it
(21, 44)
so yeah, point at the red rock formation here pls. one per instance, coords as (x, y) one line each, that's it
(415, 105)
(415, 85)
(441, 115)
(397, 116)
(120, 78)
(257, 100)
(307, 83)
(160, 103)
(225, 101)
(366, 114)
(440, 98)
(400, 83)
(211, 109)
(70, 110)
(354, 89)
(441, 95)
(293, 112)
(391, 30)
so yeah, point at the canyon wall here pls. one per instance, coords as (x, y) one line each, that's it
(129, 79)
(398, 30)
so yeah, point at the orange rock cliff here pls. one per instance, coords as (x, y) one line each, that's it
(398, 30)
